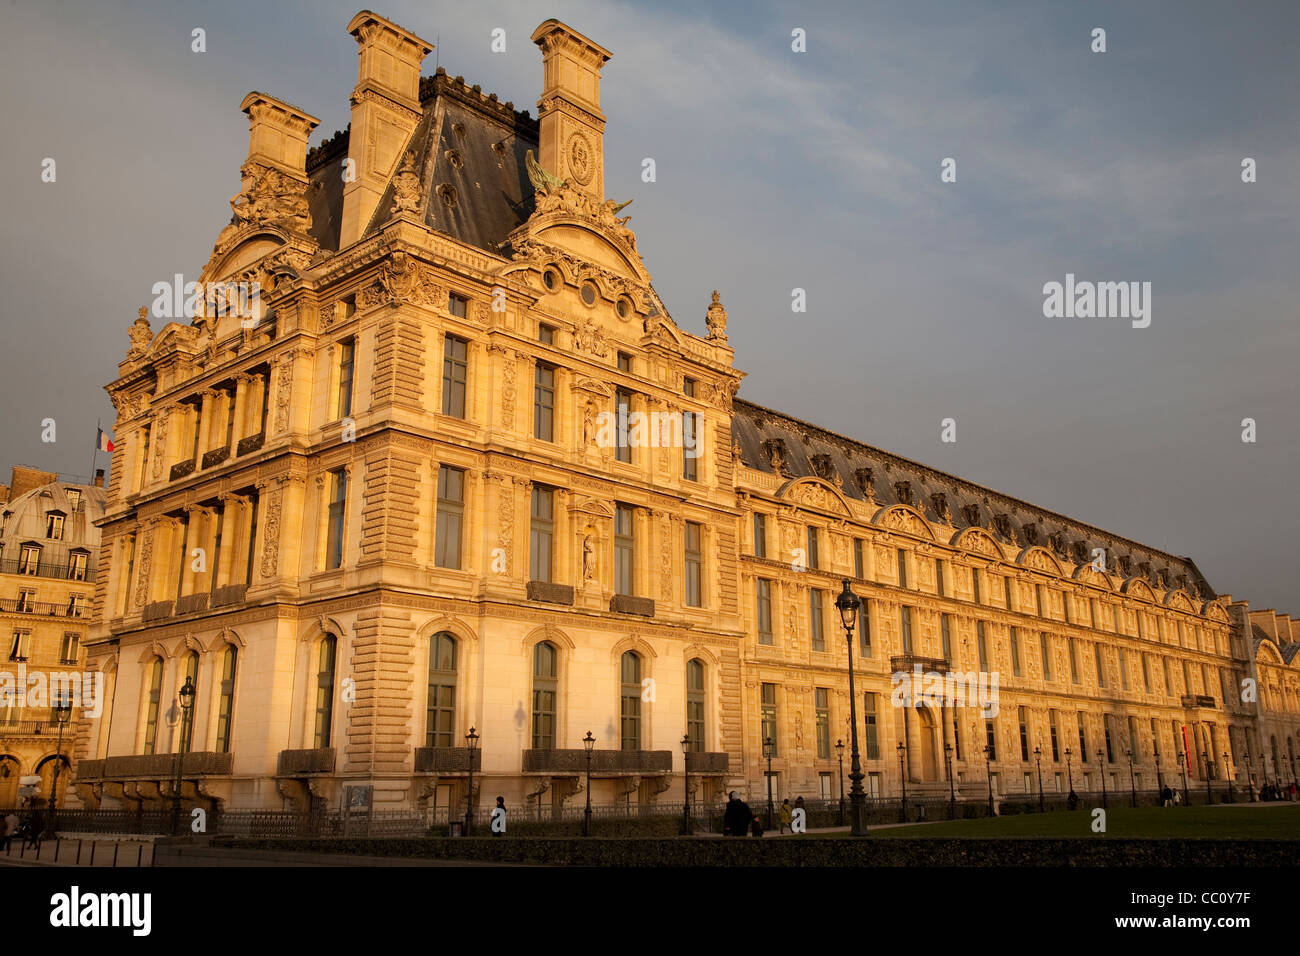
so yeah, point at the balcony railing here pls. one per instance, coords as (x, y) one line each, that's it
(215, 457)
(446, 759)
(293, 763)
(250, 444)
(181, 469)
(201, 763)
(707, 763)
(1197, 700)
(550, 593)
(30, 728)
(192, 603)
(628, 604)
(49, 609)
(906, 662)
(603, 762)
(230, 594)
(46, 569)
(157, 611)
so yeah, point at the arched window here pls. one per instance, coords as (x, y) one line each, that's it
(226, 705)
(190, 672)
(695, 704)
(154, 683)
(439, 729)
(325, 691)
(545, 682)
(630, 702)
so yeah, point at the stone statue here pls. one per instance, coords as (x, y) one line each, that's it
(716, 320)
(140, 334)
(588, 425)
(588, 558)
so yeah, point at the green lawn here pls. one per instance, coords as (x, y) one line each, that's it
(1257, 823)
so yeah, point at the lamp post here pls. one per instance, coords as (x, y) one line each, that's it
(902, 775)
(988, 773)
(62, 714)
(1182, 766)
(471, 743)
(1132, 785)
(588, 742)
(1101, 772)
(1069, 770)
(847, 604)
(1038, 758)
(686, 770)
(952, 788)
(1250, 771)
(769, 745)
(1209, 796)
(1227, 772)
(1160, 780)
(187, 703)
(839, 752)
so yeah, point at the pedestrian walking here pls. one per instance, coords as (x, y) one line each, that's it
(786, 811)
(756, 825)
(35, 830)
(498, 821)
(736, 817)
(8, 828)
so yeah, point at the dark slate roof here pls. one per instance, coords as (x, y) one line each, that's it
(470, 157)
(1289, 651)
(808, 450)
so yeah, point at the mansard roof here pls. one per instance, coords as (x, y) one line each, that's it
(469, 159)
(809, 450)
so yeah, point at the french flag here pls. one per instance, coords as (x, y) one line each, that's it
(102, 441)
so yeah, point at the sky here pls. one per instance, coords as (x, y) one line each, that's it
(778, 170)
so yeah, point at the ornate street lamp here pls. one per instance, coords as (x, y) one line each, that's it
(588, 742)
(988, 773)
(1182, 765)
(1038, 758)
(847, 603)
(1132, 786)
(1160, 780)
(839, 752)
(62, 714)
(1209, 796)
(186, 695)
(902, 775)
(1227, 772)
(1101, 772)
(1250, 770)
(471, 743)
(769, 747)
(952, 789)
(686, 770)
(1069, 770)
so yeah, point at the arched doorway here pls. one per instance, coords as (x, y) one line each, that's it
(10, 771)
(46, 771)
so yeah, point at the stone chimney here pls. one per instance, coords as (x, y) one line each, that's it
(99, 477)
(385, 110)
(571, 134)
(277, 135)
(25, 478)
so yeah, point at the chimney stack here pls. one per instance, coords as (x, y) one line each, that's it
(385, 110)
(277, 134)
(25, 478)
(99, 477)
(571, 134)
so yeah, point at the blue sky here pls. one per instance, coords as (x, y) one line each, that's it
(779, 170)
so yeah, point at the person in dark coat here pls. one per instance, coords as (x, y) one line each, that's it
(735, 819)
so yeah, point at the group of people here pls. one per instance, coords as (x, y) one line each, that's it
(1169, 797)
(30, 830)
(739, 820)
(1272, 791)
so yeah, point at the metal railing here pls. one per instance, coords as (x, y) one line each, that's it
(47, 608)
(44, 569)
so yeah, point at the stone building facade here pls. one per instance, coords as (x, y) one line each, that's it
(460, 468)
(49, 545)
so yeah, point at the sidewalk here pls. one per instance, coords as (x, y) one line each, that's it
(84, 851)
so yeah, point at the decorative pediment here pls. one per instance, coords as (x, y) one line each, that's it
(1137, 587)
(1179, 601)
(1216, 612)
(978, 541)
(814, 493)
(1090, 575)
(591, 506)
(906, 519)
(593, 386)
(1267, 652)
(1040, 559)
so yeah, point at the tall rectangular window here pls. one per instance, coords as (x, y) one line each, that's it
(1123, 669)
(864, 628)
(1006, 592)
(457, 305)
(690, 450)
(945, 635)
(541, 533)
(975, 585)
(982, 645)
(1146, 673)
(1074, 661)
(451, 513)
(694, 565)
(1083, 738)
(1051, 726)
(817, 635)
(763, 609)
(347, 363)
(905, 622)
(822, 702)
(144, 455)
(544, 403)
(1133, 738)
(1101, 670)
(455, 373)
(1015, 651)
(991, 740)
(940, 571)
(858, 569)
(1044, 607)
(902, 568)
(1024, 732)
(760, 535)
(812, 549)
(624, 550)
(1110, 749)
(1169, 678)
(1045, 649)
(769, 717)
(873, 730)
(338, 500)
(622, 406)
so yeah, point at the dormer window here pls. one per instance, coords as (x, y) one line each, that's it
(29, 559)
(74, 499)
(54, 525)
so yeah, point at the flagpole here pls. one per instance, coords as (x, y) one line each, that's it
(94, 458)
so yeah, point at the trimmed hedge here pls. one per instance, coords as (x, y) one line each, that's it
(787, 852)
